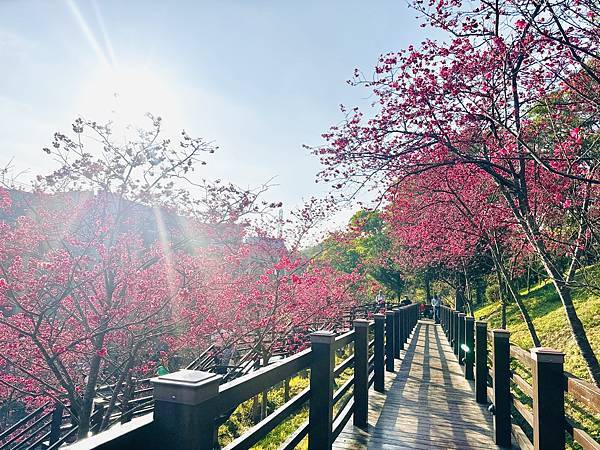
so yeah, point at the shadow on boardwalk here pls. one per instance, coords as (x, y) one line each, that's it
(427, 405)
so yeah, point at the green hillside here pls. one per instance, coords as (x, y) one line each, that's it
(550, 322)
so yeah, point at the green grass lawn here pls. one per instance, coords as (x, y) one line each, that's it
(550, 322)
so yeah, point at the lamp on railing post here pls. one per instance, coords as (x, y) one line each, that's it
(184, 416)
(397, 329)
(320, 416)
(361, 372)
(389, 341)
(481, 367)
(378, 351)
(502, 398)
(548, 398)
(469, 348)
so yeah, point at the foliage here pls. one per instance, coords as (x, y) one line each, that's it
(486, 141)
(99, 286)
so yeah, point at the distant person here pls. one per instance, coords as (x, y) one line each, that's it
(223, 353)
(436, 303)
(380, 300)
(161, 370)
(406, 301)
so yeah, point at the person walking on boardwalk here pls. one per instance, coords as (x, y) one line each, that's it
(436, 303)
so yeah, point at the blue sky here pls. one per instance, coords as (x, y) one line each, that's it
(260, 78)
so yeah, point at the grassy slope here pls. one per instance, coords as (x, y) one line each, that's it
(550, 322)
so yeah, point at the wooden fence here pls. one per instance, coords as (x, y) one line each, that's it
(188, 403)
(531, 384)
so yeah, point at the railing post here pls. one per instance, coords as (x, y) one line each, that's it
(378, 351)
(451, 328)
(481, 367)
(502, 399)
(397, 333)
(406, 316)
(389, 341)
(97, 415)
(470, 347)
(184, 413)
(320, 416)
(461, 338)
(361, 372)
(455, 341)
(548, 398)
(56, 423)
(443, 317)
(402, 324)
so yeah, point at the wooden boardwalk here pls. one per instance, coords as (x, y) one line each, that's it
(427, 404)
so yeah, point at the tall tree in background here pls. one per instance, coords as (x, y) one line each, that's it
(366, 246)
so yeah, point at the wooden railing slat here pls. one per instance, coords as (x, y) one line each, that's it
(344, 339)
(583, 392)
(524, 411)
(523, 385)
(521, 355)
(342, 390)
(342, 418)
(261, 429)
(296, 437)
(343, 365)
(241, 389)
(521, 438)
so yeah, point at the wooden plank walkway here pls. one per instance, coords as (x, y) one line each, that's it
(427, 404)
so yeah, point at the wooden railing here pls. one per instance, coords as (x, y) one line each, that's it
(534, 388)
(52, 425)
(188, 403)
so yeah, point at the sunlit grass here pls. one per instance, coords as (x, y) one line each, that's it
(551, 324)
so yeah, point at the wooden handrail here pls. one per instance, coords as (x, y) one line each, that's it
(241, 389)
(211, 401)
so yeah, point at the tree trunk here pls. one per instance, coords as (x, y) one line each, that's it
(516, 297)
(427, 283)
(88, 398)
(479, 291)
(460, 293)
(575, 324)
(502, 301)
(531, 230)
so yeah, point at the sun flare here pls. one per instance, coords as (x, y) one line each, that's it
(127, 95)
